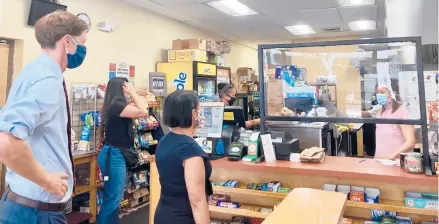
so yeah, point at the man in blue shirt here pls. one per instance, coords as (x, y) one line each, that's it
(34, 126)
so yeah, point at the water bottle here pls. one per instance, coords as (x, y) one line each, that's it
(219, 147)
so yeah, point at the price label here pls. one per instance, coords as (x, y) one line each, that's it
(228, 116)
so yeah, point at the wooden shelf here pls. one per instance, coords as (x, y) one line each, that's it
(237, 212)
(388, 205)
(81, 189)
(241, 190)
(394, 206)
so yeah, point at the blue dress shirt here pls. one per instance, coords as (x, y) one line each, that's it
(35, 111)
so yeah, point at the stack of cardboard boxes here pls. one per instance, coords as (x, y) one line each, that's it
(245, 80)
(188, 50)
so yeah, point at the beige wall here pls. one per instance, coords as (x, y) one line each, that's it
(139, 38)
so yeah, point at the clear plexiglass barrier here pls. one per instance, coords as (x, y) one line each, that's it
(372, 81)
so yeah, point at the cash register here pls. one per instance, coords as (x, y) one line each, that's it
(233, 122)
(208, 136)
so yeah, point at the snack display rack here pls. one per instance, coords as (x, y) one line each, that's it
(85, 117)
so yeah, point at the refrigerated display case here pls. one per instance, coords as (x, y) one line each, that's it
(197, 76)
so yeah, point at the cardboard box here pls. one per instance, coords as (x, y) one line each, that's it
(194, 44)
(274, 96)
(187, 55)
(245, 71)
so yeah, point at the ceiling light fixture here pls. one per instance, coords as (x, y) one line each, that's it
(300, 30)
(362, 25)
(232, 7)
(347, 3)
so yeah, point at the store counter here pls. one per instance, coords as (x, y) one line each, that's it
(392, 182)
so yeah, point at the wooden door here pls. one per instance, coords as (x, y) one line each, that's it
(4, 62)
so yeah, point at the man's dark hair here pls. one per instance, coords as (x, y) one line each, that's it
(178, 107)
(54, 26)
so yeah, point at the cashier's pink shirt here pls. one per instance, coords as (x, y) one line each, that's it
(389, 137)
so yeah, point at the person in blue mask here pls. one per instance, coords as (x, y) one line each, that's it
(392, 139)
(35, 142)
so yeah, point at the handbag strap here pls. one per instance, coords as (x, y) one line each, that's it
(107, 164)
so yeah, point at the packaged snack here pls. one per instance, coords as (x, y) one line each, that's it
(348, 221)
(274, 186)
(356, 196)
(225, 204)
(233, 184)
(266, 210)
(255, 221)
(378, 215)
(264, 187)
(259, 187)
(239, 220)
(372, 195)
(284, 190)
(250, 208)
(220, 197)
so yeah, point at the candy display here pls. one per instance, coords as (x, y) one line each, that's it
(145, 140)
(145, 124)
(273, 186)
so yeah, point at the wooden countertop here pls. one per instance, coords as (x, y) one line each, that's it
(341, 167)
(304, 205)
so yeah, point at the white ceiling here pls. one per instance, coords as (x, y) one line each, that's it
(273, 15)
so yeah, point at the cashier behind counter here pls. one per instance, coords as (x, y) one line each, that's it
(227, 95)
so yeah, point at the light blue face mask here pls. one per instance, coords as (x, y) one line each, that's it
(382, 99)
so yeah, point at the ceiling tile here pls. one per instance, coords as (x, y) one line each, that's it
(359, 13)
(321, 18)
(198, 11)
(172, 2)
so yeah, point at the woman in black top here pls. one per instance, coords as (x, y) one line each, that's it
(183, 166)
(117, 124)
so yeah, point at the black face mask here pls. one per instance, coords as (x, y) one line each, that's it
(232, 101)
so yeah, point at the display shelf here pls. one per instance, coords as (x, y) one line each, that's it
(394, 206)
(237, 212)
(388, 205)
(243, 190)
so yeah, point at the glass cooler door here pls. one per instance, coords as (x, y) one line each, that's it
(206, 87)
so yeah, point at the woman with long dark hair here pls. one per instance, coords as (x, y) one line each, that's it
(183, 166)
(117, 133)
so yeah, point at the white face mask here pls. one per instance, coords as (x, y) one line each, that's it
(200, 120)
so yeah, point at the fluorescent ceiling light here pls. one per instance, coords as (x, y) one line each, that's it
(347, 3)
(362, 25)
(232, 7)
(300, 29)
